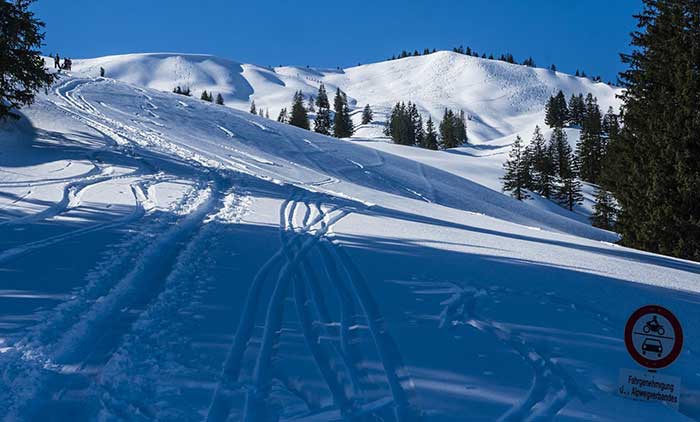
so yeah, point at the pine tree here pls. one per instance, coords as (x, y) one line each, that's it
(591, 146)
(102, 72)
(283, 117)
(401, 128)
(342, 123)
(517, 171)
(416, 125)
(656, 155)
(541, 165)
(447, 130)
(22, 71)
(560, 152)
(219, 99)
(577, 110)
(311, 102)
(367, 115)
(611, 125)
(322, 124)
(205, 96)
(568, 191)
(253, 109)
(556, 111)
(604, 211)
(299, 118)
(430, 141)
(461, 128)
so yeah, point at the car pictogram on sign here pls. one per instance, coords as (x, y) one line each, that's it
(652, 345)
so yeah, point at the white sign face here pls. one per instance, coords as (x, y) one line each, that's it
(650, 387)
(653, 337)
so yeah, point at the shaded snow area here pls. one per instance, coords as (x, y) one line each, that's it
(163, 258)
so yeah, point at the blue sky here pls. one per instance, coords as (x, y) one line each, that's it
(585, 35)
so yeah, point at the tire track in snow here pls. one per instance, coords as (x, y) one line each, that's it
(399, 380)
(256, 395)
(228, 383)
(314, 318)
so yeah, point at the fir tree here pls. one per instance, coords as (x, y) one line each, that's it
(567, 188)
(400, 127)
(461, 128)
(322, 124)
(529, 62)
(322, 98)
(267, 113)
(447, 130)
(654, 163)
(253, 109)
(283, 116)
(102, 72)
(604, 211)
(560, 152)
(611, 124)
(430, 141)
(205, 96)
(342, 123)
(415, 124)
(541, 165)
(577, 110)
(311, 102)
(453, 130)
(22, 71)
(367, 115)
(591, 146)
(556, 111)
(219, 99)
(517, 173)
(299, 118)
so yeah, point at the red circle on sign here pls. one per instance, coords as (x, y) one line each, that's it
(677, 340)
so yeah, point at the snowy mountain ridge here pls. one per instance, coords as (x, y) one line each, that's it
(501, 99)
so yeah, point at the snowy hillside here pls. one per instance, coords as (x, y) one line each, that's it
(164, 258)
(501, 99)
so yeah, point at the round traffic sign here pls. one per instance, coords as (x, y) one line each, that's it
(653, 336)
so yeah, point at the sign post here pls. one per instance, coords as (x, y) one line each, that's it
(654, 339)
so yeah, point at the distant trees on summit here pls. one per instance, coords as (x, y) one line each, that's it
(506, 57)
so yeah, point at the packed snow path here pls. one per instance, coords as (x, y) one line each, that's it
(168, 259)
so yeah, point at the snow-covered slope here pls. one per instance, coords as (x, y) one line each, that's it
(163, 258)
